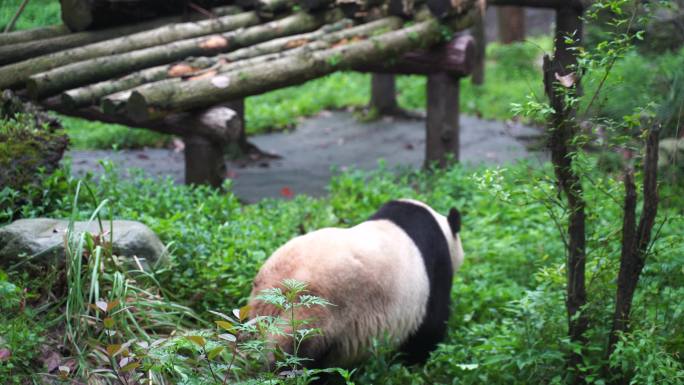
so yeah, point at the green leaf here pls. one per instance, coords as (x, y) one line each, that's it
(214, 352)
(242, 313)
(130, 367)
(108, 323)
(113, 350)
(199, 340)
(225, 325)
(112, 305)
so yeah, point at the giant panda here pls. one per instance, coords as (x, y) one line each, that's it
(390, 275)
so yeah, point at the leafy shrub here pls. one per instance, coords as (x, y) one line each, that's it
(28, 154)
(20, 335)
(507, 324)
(637, 81)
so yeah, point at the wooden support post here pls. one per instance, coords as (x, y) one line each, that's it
(204, 162)
(384, 94)
(511, 24)
(204, 156)
(478, 33)
(238, 146)
(442, 125)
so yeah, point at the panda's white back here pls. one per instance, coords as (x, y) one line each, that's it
(373, 274)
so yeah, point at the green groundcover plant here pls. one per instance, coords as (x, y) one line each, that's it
(507, 325)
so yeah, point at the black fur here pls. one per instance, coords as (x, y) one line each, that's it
(422, 227)
(454, 220)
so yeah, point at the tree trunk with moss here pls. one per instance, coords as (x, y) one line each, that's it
(30, 141)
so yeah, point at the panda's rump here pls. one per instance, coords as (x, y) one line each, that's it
(372, 274)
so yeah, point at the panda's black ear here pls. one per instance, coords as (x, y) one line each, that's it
(454, 220)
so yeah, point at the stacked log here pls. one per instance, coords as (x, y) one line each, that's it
(149, 71)
(15, 74)
(249, 57)
(32, 42)
(90, 94)
(23, 36)
(81, 15)
(158, 99)
(93, 70)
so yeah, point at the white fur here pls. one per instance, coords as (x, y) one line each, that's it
(374, 275)
(373, 254)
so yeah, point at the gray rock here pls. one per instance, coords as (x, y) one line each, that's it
(41, 241)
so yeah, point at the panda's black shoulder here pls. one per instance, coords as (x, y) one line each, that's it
(419, 224)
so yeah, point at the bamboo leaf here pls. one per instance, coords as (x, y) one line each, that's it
(214, 352)
(112, 305)
(130, 367)
(227, 337)
(113, 350)
(199, 340)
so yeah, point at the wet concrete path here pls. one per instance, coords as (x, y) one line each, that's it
(319, 144)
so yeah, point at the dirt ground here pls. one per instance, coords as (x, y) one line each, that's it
(325, 143)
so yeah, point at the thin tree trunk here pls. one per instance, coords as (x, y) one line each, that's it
(562, 130)
(13, 21)
(635, 243)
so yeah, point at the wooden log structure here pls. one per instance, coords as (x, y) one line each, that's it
(14, 51)
(25, 35)
(315, 5)
(404, 8)
(190, 78)
(159, 99)
(15, 74)
(357, 8)
(456, 57)
(80, 15)
(268, 9)
(88, 71)
(90, 94)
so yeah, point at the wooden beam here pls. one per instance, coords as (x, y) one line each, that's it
(554, 4)
(455, 57)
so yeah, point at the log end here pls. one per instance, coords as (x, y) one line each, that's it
(67, 101)
(139, 110)
(33, 88)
